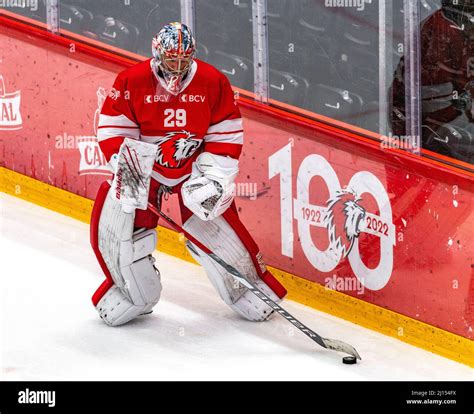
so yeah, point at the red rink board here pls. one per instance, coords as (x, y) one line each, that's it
(410, 223)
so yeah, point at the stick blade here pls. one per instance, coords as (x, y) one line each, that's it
(340, 346)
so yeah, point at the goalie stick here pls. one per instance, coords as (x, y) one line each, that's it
(332, 344)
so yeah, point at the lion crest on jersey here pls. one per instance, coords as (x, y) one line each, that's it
(343, 219)
(175, 147)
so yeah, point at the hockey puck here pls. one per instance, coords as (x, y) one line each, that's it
(349, 360)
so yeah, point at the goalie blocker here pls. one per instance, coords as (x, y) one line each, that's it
(123, 237)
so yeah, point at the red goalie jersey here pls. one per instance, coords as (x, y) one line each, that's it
(202, 117)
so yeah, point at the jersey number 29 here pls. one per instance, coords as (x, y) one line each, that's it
(175, 117)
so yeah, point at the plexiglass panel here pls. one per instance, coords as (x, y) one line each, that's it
(446, 85)
(32, 9)
(343, 60)
(224, 38)
(126, 24)
(335, 58)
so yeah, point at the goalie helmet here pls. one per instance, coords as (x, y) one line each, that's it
(173, 51)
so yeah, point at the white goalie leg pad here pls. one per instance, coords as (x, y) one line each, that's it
(127, 254)
(221, 239)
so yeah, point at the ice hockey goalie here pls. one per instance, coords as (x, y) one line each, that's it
(172, 120)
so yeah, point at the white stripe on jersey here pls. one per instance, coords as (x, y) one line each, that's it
(118, 120)
(229, 125)
(106, 133)
(235, 138)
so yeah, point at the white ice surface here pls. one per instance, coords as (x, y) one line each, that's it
(50, 330)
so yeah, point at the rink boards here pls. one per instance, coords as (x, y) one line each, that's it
(398, 259)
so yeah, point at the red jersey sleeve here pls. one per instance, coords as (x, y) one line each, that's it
(116, 120)
(225, 135)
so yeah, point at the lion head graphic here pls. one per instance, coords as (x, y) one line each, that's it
(175, 147)
(343, 218)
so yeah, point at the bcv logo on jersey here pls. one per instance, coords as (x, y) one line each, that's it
(156, 98)
(184, 97)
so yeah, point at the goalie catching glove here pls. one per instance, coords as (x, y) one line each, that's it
(210, 189)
